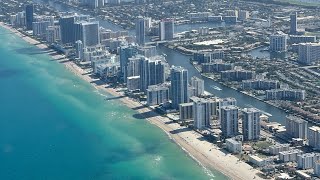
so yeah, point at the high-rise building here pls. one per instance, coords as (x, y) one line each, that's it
(307, 161)
(243, 15)
(140, 30)
(231, 13)
(147, 51)
(114, 2)
(317, 168)
(278, 43)
(224, 102)
(198, 84)
(251, 124)
(276, 148)
(237, 75)
(202, 112)
(29, 16)
(260, 84)
(157, 94)
(133, 83)
(79, 49)
(291, 155)
(179, 86)
(139, 1)
(229, 121)
(309, 53)
(101, 3)
(39, 29)
(314, 137)
(293, 23)
(147, 24)
(166, 28)
(296, 127)
(51, 35)
(133, 66)
(90, 35)
(126, 52)
(67, 30)
(286, 94)
(296, 39)
(186, 111)
(152, 72)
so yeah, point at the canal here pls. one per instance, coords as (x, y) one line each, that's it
(177, 59)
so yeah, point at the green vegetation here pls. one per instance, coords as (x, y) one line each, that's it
(261, 145)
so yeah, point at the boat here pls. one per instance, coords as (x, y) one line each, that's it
(216, 88)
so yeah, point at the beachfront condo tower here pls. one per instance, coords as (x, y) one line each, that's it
(29, 16)
(179, 86)
(251, 124)
(229, 121)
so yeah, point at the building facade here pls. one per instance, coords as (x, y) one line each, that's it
(29, 16)
(278, 43)
(166, 28)
(186, 111)
(293, 23)
(202, 112)
(229, 121)
(296, 127)
(314, 137)
(309, 53)
(198, 84)
(251, 124)
(307, 161)
(286, 94)
(179, 86)
(140, 30)
(157, 94)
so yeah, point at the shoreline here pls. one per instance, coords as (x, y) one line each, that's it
(206, 154)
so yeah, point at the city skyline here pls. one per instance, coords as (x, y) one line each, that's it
(203, 78)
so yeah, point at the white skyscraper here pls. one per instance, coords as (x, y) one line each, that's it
(157, 94)
(309, 53)
(251, 124)
(133, 66)
(296, 127)
(202, 112)
(166, 27)
(314, 137)
(224, 102)
(278, 42)
(79, 49)
(229, 121)
(198, 84)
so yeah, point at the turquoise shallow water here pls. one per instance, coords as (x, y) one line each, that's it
(55, 126)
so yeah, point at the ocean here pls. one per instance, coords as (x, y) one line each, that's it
(54, 125)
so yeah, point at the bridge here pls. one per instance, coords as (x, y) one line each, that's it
(156, 43)
(188, 40)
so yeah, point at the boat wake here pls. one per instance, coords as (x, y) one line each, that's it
(216, 88)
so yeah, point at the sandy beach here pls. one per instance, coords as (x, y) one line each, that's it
(206, 154)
